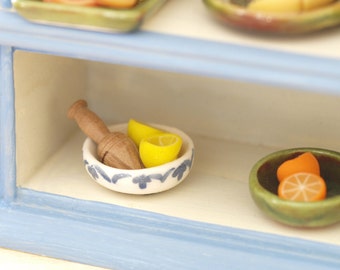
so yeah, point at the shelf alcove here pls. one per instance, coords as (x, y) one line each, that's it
(233, 125)
(239, 95)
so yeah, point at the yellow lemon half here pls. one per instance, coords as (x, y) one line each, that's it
(159, 149)
(138, 130)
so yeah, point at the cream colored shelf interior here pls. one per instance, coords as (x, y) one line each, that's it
(190, 18)
(233, 124)
(215, 192)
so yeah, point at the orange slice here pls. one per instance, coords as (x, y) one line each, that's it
(305, 162)
(305, 187)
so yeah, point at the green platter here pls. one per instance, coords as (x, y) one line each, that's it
(97, 18)
(234, 13)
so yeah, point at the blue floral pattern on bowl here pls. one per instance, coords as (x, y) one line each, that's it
(142, 180)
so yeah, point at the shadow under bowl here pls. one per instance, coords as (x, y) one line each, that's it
(142, 181)
(263, 185)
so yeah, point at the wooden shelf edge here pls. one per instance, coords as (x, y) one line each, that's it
(176, 54)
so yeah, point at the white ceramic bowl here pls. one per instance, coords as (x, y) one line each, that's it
(142, 181)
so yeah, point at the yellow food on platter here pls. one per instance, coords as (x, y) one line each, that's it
(290, 6)
(313, 4)
(286, 6)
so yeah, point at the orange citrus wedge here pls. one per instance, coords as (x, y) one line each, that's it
(159, 149)
(304, 187)
(305, 162)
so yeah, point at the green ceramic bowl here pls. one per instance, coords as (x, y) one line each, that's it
(263, 186)
(92, 18)
(234, 13)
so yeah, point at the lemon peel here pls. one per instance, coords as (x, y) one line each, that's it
(137, 131)
(159, 149)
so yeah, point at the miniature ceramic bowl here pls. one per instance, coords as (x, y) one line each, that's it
(142, 181)
(263, 186)
(235, 13)
(87, 17)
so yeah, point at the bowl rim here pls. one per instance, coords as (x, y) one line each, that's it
(123, 127)
(141, 181)
(256, 189)
(230, 8)
(293, 23)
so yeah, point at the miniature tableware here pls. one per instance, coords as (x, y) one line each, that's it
(114, 149)
(96, 18)
(141, 181)
(263, 186)
(234, 13)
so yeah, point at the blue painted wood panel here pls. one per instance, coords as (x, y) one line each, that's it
(121, 238)
(7, 126)
(174, 53)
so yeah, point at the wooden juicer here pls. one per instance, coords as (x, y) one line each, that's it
(114, 149)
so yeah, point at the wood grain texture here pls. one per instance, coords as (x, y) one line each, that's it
(114, 149)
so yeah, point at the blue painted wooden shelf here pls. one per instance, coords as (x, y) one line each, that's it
(118, 237)
(176, 53)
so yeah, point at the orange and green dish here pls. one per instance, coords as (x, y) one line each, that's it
(240, 15)
(100, 15)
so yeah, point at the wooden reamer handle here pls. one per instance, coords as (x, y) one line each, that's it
(88, 121)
